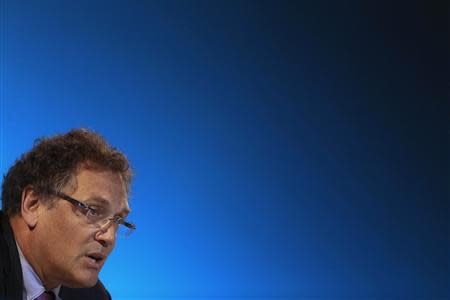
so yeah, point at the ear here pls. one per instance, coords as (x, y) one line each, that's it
(30, 206)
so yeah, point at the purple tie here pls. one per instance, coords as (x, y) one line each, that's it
(47, 295)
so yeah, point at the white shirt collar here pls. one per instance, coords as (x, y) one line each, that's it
(32, 284)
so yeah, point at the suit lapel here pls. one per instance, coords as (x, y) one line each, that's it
(11, 282)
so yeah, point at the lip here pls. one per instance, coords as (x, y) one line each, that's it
(95, 260)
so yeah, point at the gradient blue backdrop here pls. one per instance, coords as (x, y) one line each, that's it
(282, 149)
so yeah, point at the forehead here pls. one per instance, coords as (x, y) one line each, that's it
(101, 186)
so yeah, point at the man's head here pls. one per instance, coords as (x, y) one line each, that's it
(64, 199)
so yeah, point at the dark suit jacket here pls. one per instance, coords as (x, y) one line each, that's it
(11, 282)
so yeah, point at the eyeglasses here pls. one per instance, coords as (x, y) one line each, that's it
(99, 216)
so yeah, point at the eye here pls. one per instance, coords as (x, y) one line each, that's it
(95, 212)
(92, 212)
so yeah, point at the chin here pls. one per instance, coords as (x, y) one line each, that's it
(82, 281)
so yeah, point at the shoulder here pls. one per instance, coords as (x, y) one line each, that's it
(11, 283)
(97, 292)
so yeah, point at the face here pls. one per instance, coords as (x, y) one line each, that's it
(72, 251)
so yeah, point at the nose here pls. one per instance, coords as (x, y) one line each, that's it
(107, 235)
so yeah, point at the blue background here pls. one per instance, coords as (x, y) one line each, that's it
(282, 149)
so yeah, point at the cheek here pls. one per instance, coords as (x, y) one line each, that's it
(67, 236)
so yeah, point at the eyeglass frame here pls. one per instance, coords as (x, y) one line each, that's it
(84, 207)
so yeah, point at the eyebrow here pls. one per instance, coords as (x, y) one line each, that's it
(98, 200)
(123, 213)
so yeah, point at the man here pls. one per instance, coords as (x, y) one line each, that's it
(63, 204)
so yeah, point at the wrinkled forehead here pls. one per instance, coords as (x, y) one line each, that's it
(88, 165)
(93, 167)
(100, 186)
